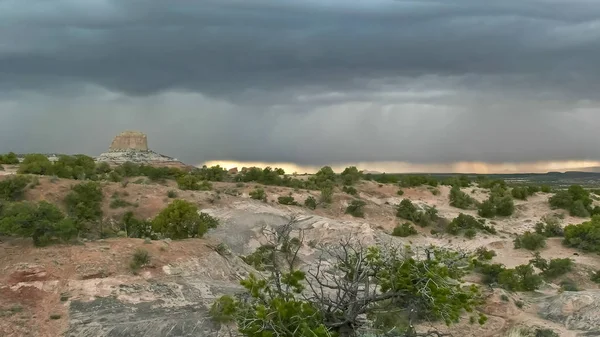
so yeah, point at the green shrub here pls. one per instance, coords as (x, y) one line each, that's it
(435, 191)
(484, 254)
(269, 176)
(487, 209)
(171, 194)
(546, 189)
(576, 200)
(400, 192)
(530, 241)
(491, 184)
(188, 182)
(9, 159)
(43, 222)
(259, 194)
(115, 177)
(404, 230)
(427, 217)
(130, 169)
(213, 173)
(262, 258)
(505, 206)
(350, 176)
(180, 220)
(223, 310)
(13, 188)
(585, 236)
(84, 202)
(140, 258)
(407, 210)
(287, 200)
(470, 233)
(205, 185)
(356, 208)
(578, 209)
(568, 285)
(135, 228)
(387, 317)
(78, 167)
(103, 168)
(383, 178)
(553, 268)
(1, 167)
(551, 227)
(540, 228)
(558, 267)
(545, 333)
(499, 203)
(561, 199)
(595, 277)
(521, 278)
(208, 221)
(35, 182)
(350, 190)
(310, 202)
(36, 164)
(490, 272)
(418, 180)
(327, 195)
(324, 178)
(465, 222)
(521, 193)
(460, 199)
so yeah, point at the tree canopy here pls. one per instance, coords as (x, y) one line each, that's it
(331, 297)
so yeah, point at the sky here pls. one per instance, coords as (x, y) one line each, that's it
(452, 85)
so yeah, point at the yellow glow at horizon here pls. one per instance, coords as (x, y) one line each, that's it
(402, 167)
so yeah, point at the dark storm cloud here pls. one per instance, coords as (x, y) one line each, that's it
(224, 47)
(310, 82)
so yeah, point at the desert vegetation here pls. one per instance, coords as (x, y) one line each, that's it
(576, 200)
(500, 203)
(396, 281)
(9, 158)
(331, 274)
(585, 236)
(181, 220)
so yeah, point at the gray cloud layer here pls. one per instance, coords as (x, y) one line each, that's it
(310, 82)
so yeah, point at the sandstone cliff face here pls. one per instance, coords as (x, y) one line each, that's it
(130, 140)
(132, 146)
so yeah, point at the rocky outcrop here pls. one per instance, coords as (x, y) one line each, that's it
(576, 310)
(119, 157)
(132, 146)
(177, 311)
(129, 140)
